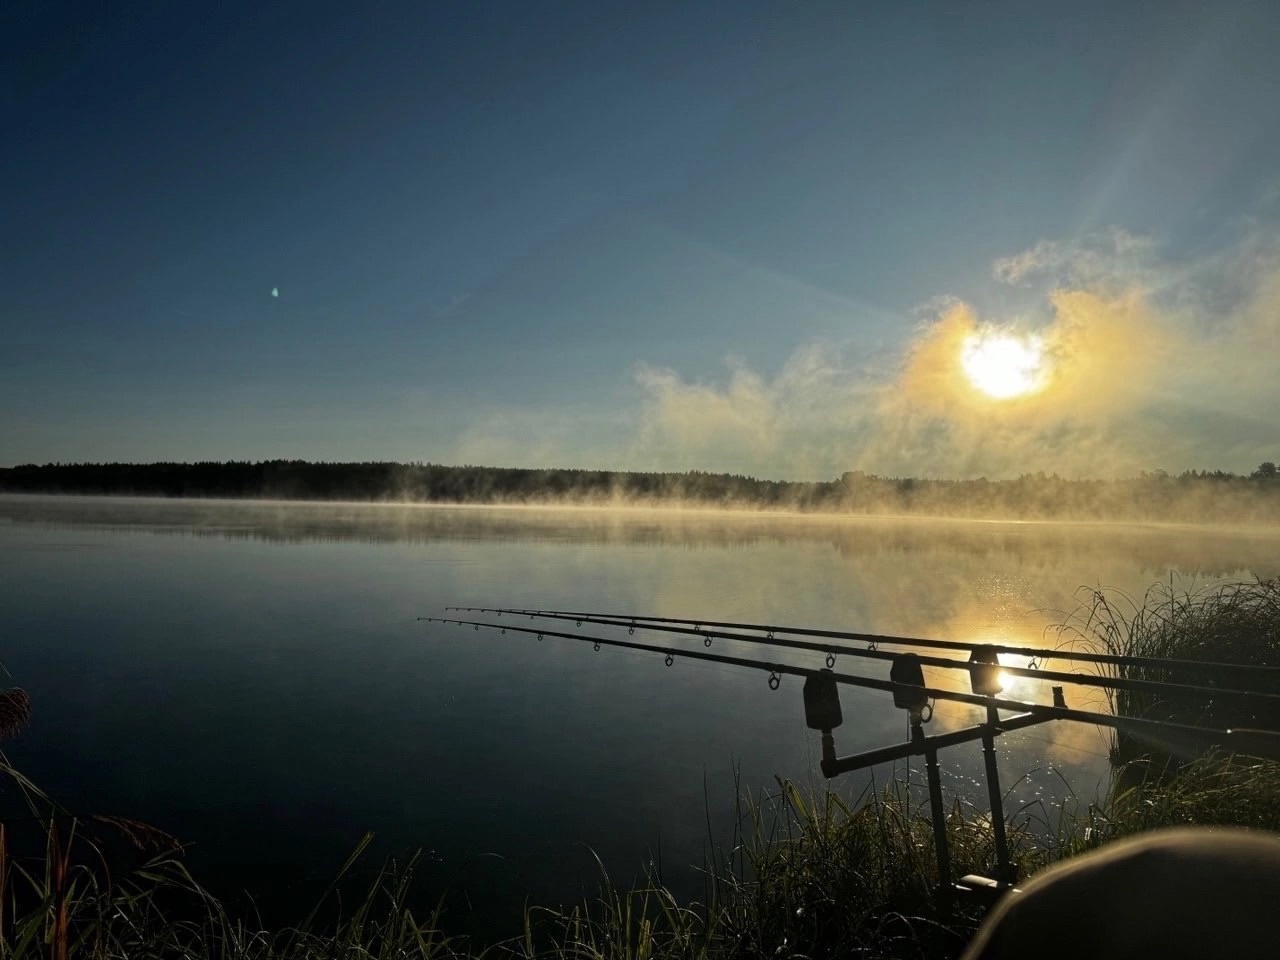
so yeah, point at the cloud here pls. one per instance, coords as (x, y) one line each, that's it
(1014, 269)
(789, 426)
(1111, 256)
(1152, 363)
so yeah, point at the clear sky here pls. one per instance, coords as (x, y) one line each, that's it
(646, 235)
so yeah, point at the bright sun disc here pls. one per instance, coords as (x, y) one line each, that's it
(1002, 365)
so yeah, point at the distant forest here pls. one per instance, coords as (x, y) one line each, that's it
(1193, 496)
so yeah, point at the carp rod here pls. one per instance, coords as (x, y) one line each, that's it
(875, 639)
(910, 692)
(980, 661)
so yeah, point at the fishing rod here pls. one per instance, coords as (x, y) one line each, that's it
(906, 683)
(911, 689)
(982, 667)
(1162, 663)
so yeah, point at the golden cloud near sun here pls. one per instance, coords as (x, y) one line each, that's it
(1003, 365)
(1096, 358)
(985, 397)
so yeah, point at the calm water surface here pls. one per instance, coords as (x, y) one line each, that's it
(252, 677)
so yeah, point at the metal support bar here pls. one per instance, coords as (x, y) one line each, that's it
(1003, 867)
(833, 766)
(918, 745)
(939, 817)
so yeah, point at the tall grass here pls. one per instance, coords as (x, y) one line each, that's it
(807, 875)
(820, 876)
(1230, 623)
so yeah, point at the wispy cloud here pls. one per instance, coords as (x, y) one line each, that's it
(1114, 255)
(789, 426)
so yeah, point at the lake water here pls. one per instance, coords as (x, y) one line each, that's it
(253, 678)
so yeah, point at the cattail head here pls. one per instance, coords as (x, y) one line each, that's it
(141, 835)
(15, 711)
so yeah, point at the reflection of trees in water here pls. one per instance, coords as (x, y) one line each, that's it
(1190, 551)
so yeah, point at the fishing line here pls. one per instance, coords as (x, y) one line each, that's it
(1153, 729)
(1191, 666)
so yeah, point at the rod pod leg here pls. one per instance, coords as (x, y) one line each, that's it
(942, 849)
(1003, 867)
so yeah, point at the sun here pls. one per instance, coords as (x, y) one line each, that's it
(1003, 365)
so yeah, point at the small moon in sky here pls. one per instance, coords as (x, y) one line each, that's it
(275, 291)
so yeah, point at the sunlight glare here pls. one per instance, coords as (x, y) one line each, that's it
(1002, 365)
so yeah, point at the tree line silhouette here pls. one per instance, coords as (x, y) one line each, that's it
(1192, 496)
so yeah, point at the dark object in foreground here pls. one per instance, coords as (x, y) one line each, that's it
(1183, 893)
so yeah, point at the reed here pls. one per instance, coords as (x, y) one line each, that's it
(1233, 623)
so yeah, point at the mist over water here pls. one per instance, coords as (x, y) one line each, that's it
(251, 676)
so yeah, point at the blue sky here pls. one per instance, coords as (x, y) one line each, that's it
(518, 233)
